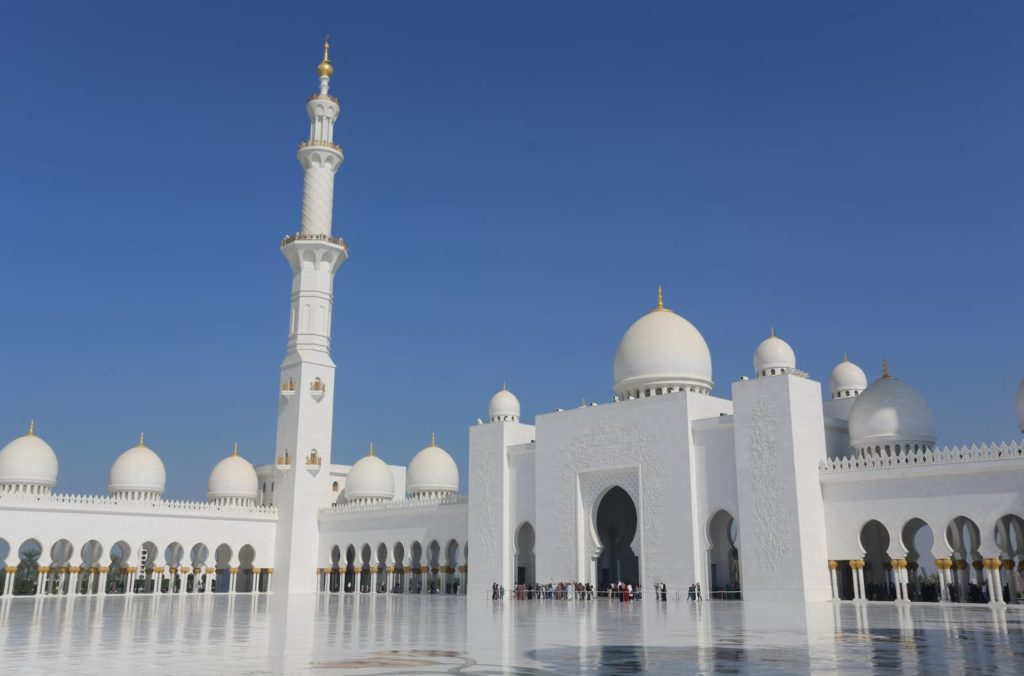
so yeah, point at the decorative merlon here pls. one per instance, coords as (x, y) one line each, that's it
(924, 457)
(395, 505)
(23, 499)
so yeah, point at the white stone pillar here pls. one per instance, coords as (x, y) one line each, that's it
(270, 573)
(943, 567)
(233, 572)
(989, 578)
(9, 579)
(832, 566)
(209, 579)
(858, 579)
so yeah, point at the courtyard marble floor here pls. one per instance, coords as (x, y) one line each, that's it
(387, 634)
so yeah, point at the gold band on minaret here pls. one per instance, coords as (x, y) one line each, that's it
(31, 428)
(142, 439)
(433, 439)
(371, 449)
(234, 451)
(325, 69)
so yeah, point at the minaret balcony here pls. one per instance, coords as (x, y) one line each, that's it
(322, 96)
(320, 144)
(288, 389)
(314, 237)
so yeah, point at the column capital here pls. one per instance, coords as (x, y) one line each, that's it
(833, 565)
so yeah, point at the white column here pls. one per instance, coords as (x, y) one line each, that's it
(858, 580)
(989, 578)
(942, 565)
(270, 573)
(232, 584)
(832, 566)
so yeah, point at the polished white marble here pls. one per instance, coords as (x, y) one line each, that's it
(387, 634)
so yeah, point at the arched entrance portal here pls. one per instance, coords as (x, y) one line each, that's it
(616, 527)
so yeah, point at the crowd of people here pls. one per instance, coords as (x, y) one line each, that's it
(578, 591)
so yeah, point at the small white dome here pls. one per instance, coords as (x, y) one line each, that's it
(369, 479)
(662, 350)
(504, 406)
(890, 412)
(138, 470)
(432, 470)
(773, 356)
(1020, 406)
(232, 478)
(847, 380)
(28, 461)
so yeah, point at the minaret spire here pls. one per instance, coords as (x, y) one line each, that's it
(325, 70)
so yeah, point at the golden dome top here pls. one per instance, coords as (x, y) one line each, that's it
(325, 69)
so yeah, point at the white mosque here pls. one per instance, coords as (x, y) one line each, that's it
(774, 492)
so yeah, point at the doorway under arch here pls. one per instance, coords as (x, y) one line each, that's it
(524, 556)
(723, 557)
(616, 524)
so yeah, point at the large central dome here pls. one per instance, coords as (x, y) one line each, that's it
(660, 353)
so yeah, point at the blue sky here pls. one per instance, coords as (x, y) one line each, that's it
(519, 179)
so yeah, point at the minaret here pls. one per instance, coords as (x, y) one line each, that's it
(305, 413)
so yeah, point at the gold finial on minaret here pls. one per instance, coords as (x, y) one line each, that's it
(234, 451)
(371, 449)
(771, 332)
(325, 69)
(142, 439)
(433, 440)
(31, 428)
(885, 369)
(661, 299)
(845, 358)
(504, 387)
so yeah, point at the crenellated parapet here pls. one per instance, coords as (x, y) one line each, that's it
(396, 505)
(925, 457)
(109, 503)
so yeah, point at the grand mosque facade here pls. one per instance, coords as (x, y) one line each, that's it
(775, 492)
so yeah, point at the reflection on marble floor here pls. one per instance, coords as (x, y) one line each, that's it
(370, 634)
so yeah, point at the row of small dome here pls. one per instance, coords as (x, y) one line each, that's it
(29, 464)
(431, 473)
(663, 352)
